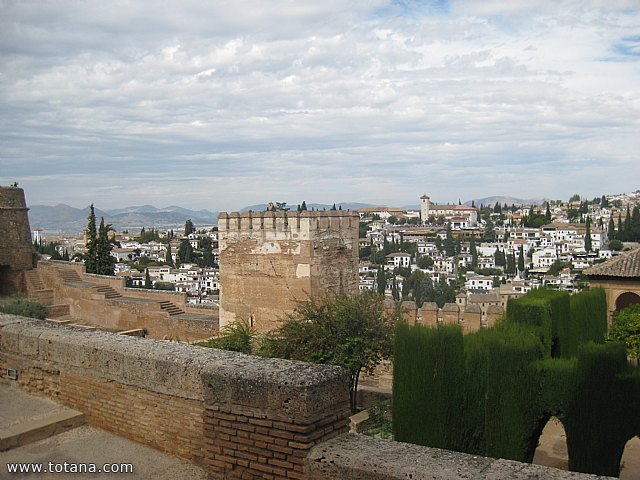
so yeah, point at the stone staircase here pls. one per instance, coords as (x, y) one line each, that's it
(108, 292)
(170, 308)
(69, 276)
(37, 289)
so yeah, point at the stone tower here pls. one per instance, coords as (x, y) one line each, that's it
(425, 206)
(270, 261)
(16, 249)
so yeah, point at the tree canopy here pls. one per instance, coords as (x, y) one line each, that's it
(354, 332)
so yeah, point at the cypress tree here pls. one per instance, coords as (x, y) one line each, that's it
(90, 255)
(381, 280)
(547, 214)
(635, 224)
(303, 207)
(587, 235)
(620, 234)
(611, 231)
(628, 234)
(168, 256)
(520, 259)
(104, 260)
(147, 280)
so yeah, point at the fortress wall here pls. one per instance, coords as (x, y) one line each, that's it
(242, 416)
(269, 261)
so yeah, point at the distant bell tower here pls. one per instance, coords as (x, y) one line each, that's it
(425, 205)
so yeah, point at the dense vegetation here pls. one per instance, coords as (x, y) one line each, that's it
(492, 392)
(24, 307)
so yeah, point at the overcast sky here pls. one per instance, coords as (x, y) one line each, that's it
(218, 105)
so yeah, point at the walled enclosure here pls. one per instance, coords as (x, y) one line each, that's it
(269, 261)
(241, 416)
(16, 249)
(104, 301)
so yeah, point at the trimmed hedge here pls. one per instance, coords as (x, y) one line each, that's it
(492, 392)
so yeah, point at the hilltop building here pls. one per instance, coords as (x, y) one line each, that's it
(459, 216)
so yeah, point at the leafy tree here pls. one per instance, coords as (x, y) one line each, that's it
(90, 256)
(489, 234)
(449, 243)
(185, 253)
(392, 220)
(574, 198)
(189, 228)
(424, 261)
(557, 266)
(626, 329)
(616, 245)
(354, 332)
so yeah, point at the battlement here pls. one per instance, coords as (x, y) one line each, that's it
(301, 222)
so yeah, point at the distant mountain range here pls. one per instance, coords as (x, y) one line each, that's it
(317, 206)
(65, 219)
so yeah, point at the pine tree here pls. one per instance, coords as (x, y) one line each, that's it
(90, 255)
(587, 235)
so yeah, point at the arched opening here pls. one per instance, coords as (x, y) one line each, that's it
(552, 446)
(630, 461)
(627, 299)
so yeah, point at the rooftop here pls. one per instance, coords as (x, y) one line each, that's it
(626, 265)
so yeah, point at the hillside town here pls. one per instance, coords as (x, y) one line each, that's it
(442, 253)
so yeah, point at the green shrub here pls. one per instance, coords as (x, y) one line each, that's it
(24, 307)
(237, 336)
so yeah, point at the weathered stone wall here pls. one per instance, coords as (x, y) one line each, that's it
(16, 249)
(243, 416)
(270, 261)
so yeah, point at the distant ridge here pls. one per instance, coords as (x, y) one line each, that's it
(508, 200)
(261, 207)
(65, 219)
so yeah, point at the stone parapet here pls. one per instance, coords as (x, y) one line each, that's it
(359, 457)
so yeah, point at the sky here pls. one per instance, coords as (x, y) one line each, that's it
(218, 105)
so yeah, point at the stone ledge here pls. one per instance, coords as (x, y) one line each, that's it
(297, 390)
(354, 456)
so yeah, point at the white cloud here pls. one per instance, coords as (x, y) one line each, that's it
(360, 101)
